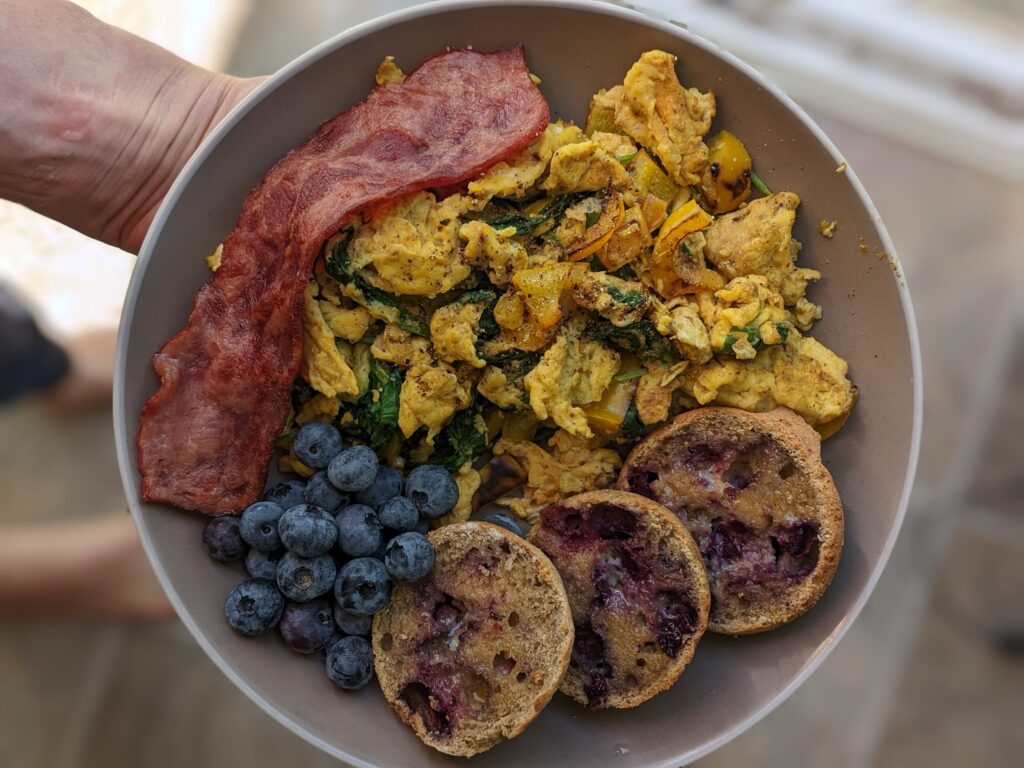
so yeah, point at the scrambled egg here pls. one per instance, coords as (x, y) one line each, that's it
(801, 374)
(747, 302)
(680, 322)
(656, 389)
(622, 302)
(811, 380)
(348, 323)
(584, 167)
(671, 121)
(323, 365)
(398, 346)
(758, 240)
(514, 178)
(573, 372)
(467, 480)
(430, 397)
(493, 250)
(572, 466)
(586, 289)
(495, 386)
(412, 245)
(453, 329)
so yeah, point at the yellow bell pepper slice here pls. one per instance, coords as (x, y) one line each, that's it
(729, 166)
(605, 416)
(684, 220)
(542, 288)
(600, 232)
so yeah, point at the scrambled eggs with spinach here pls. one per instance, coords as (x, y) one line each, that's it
(565, 302)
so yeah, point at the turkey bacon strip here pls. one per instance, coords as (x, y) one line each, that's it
(206, 437)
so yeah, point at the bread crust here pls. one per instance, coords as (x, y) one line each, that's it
(802, 445)
(519, 582)
(662, 527)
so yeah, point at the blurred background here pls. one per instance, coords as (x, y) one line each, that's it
(925, 98)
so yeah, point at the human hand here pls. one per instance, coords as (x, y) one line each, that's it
(95, 123)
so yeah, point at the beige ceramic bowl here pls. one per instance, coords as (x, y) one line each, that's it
(576, 48)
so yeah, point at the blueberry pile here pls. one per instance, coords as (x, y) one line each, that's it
(322, 554)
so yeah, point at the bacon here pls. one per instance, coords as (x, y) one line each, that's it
(206, 437)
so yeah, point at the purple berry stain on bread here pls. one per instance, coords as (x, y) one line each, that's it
(442, 688)
(630, 578)
(424, 703)
(588, 654)
(753, 559)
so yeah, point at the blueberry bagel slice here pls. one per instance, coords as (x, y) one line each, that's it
(637, 589)
(471, 653)
(752, 490)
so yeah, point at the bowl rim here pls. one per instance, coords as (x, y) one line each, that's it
(125, 442)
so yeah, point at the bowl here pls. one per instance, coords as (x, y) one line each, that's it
(576, 47)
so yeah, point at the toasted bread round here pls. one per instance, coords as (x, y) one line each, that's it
(752, 490)
(637, 589)
(470, 654)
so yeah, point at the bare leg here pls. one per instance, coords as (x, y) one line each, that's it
(91, 569)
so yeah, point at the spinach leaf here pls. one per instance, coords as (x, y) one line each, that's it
(488, 326)
(631, 427)
(504, 357)
(375, 414)
(526, 224)
(641, 338)
(462, 440)
(386, 303)
(632, 299)
(753, 336)
(388, 306)
(336, 261)
(518, 367)
(302, 393)
(543, 434)
(557, 207)
(469, 297)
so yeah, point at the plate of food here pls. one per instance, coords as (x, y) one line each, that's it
(531, 380)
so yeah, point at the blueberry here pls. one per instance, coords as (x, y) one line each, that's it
(423, 526)
(222, 540)
(363, 586)
(505, 520)
(354, 469)
(304, 578)
(254, 606)
(263, 565)
(307, 530)
(387, 484)
(432, 490)
(286, 494)
(307, 627)
(336, 635)
(351, 623)
(399, 514)
(316, 443)
(359, 530)
(350, 663)
(258, 525)
(409, 557)
(320, 492)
